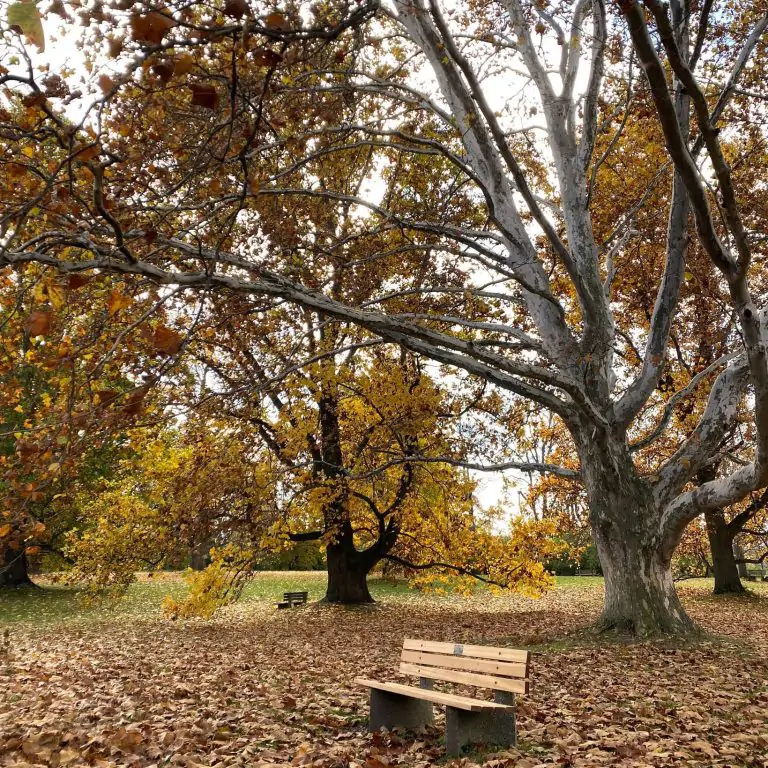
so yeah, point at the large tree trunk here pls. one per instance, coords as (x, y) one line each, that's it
(348, 573)
(348, 569)
(723, 559)
(635, 554)
(13, 569)
(640, 595)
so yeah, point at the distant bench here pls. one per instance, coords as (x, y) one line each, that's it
(467, 720)
(292, 599)
(582, 572)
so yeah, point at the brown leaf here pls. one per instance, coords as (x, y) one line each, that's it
(78, 281)
(151, 28)
(277, 21)
(38, 323)
(236, 8)
(134, 403)
(164, 70)
(167, 341)
(289, 702)
(106, 396)
(106, 83)
(115, 47)
(264, 57)
(204, 96)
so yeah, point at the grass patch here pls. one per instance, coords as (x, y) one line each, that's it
(51, 603)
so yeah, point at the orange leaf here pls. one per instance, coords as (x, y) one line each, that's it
(106, 83)
(88, 152)
(151, 28)
(32, 550)
(183, 64)
(277, 21)
(5, 530)
(38, 323)
(167, 341)
(116, 302)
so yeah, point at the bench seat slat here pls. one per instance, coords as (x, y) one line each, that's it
(510, 685)
(488, 666)
(438, 697)
(472, 651)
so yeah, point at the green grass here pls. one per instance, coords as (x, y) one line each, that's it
(49, 604)
(577, 581)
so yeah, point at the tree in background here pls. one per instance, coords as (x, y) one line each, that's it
(257, 485)
(67, 402)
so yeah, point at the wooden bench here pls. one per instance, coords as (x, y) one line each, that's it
(292, 599)
(467, 719)
(582, 572)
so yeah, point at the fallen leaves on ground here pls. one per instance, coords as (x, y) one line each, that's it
(266, 688)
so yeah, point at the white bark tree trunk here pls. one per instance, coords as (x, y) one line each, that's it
(635, 553)
(640, 595)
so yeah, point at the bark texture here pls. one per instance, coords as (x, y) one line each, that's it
(348, 567)
(640, 595)
(724, 565)
(13, 569)
(348, 572)
(742, 566)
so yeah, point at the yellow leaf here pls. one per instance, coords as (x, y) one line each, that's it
(183, 64)
(5, 530)
(116, 302)
(26, 17)
(56, 294)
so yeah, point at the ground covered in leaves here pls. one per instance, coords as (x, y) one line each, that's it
(260, 687)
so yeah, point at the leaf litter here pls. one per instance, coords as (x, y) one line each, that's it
(265, 688)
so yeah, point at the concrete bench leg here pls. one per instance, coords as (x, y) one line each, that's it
(389, 710)
(495, 726)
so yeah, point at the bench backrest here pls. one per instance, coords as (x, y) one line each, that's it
(500, 669)
(289, 595)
